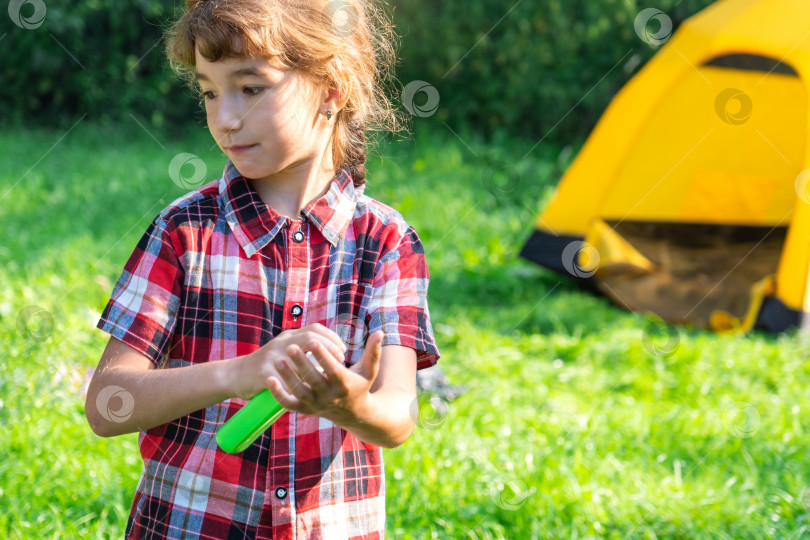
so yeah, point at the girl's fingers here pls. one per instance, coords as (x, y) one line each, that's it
(314, 362)
(309, 345)
(370, 362)
(295, 386)
(284, 398)
(338, 352)
(333, 369)
(329, 339)
(309, 373)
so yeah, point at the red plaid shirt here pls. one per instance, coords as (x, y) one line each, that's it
(217, 275)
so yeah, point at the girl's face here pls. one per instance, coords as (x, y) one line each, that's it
(265, 119)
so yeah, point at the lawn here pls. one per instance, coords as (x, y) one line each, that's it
(579, 420)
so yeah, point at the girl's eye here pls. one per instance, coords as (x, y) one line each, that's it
(249, 90)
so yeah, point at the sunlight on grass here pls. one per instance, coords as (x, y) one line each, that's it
(574, 423)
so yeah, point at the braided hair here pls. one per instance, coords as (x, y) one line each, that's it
(356, 152)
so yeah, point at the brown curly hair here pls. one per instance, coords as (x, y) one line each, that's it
(347, 44)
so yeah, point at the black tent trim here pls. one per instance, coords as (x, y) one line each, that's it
(546, 249)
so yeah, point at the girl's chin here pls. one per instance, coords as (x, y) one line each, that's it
(248, 168)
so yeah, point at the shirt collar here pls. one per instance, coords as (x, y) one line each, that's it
(255, 224)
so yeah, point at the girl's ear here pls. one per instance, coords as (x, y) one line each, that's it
(334, 100)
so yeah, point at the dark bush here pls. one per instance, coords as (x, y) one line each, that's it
(101, 58)
(535, 68)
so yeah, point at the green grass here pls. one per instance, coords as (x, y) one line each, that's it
(570, 427)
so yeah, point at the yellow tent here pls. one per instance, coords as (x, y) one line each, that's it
(690, 198)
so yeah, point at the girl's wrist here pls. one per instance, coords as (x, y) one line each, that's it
(232, 377)
(224, 378)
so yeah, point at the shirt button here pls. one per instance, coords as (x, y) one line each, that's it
(296, 310)
(298, 236)
(281, 492)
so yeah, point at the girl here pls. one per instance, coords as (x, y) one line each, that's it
(234, 283)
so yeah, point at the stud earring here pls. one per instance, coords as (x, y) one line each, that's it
(328, 114)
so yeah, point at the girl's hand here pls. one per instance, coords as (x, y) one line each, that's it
(336, 393)
(252, 371)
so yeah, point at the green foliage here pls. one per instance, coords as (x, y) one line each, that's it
(538, 69)
(570, 426)
(96, 57)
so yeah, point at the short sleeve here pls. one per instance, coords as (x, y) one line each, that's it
(398, 302)
(142, 310)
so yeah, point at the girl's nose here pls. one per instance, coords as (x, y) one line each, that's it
(229, 116)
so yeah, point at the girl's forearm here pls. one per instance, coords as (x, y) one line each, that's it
(124, 399)
(385, 419)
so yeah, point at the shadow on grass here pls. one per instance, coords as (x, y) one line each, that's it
(520, 298)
